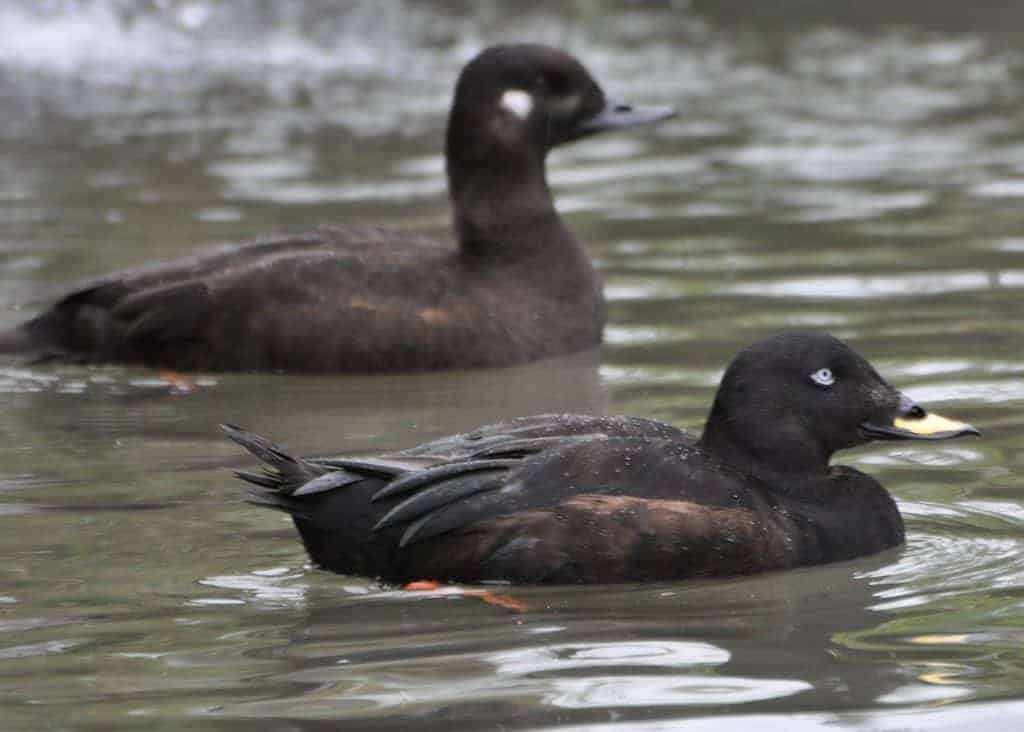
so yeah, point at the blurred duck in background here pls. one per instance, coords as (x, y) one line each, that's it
(517, 285)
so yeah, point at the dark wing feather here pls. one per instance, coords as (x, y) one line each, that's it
(528, 435)
(457, 494)
(382, 467)
(328, 482)
(455, 515)
(437, 475)
(449, 484)
(642, 467)
(166, 313)
(438, 496)
(217, 311)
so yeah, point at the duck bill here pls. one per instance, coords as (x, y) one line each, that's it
(618, 116)
(914, 423)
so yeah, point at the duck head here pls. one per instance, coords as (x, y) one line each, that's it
(787, 403)
(513, 103)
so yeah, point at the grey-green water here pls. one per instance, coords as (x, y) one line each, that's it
(838, 172)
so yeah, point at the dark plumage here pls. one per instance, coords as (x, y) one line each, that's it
(567, 498)
(517, 287)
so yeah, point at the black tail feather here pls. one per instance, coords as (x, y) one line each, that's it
(278, 502)
(292, 472)
(16, 341)
(263, 480)
(286, 482)
(328, 493)
(25, 346)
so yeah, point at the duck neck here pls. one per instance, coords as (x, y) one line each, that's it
(784, 458)
(504, 211)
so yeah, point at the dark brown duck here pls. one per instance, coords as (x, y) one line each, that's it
(518, 286)
(569, 498)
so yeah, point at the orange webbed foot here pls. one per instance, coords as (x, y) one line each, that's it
(491, 598)
(180, 384)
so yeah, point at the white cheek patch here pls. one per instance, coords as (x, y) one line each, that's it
(518, 102)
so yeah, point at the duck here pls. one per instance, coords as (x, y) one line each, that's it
(515, 286)
(565, 499)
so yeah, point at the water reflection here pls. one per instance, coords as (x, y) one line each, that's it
(652, 691)
(275, 586)
(99, 406)
(359, 652)
(623, 655)
(633, 674)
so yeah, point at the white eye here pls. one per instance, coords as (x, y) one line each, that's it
(518, 102)
(823, 377)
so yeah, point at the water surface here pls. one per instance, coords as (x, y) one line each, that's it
(861, 173)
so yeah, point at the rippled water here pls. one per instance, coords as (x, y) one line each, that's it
(861, 173)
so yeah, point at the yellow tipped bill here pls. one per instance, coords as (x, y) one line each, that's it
(934, 425)
(925, 427)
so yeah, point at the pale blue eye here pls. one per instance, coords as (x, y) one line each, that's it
(823, 377)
